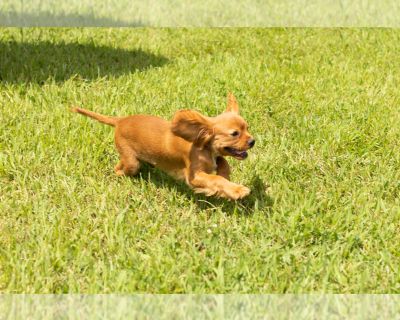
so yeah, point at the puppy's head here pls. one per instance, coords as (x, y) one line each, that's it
(226, 134)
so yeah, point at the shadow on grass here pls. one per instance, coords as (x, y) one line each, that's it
(257, 200)
(22, 62)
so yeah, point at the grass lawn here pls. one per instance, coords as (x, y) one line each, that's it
(323, 105)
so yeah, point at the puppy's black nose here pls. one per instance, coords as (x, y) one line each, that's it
(251, 142)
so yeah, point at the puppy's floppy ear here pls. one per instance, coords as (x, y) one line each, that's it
(192, 126)
(232, 105)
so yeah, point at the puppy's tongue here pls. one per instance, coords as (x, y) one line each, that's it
(241, 154)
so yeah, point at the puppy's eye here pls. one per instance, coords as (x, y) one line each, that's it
(235, 133)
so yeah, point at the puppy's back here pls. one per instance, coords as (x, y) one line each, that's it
(151, 138)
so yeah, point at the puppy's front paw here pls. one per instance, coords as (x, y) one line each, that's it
(237, 192)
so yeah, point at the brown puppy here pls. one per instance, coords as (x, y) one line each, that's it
(192, 147)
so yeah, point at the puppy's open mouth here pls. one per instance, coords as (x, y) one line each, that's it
(238, 154)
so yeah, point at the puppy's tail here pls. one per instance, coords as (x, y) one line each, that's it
(111, 121)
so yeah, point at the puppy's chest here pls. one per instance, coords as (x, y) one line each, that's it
(211, 166)
(214, 164)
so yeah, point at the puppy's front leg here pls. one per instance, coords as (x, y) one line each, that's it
(211, 184)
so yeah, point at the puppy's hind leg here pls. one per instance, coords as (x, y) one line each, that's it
(119, 169)
(128, 164)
